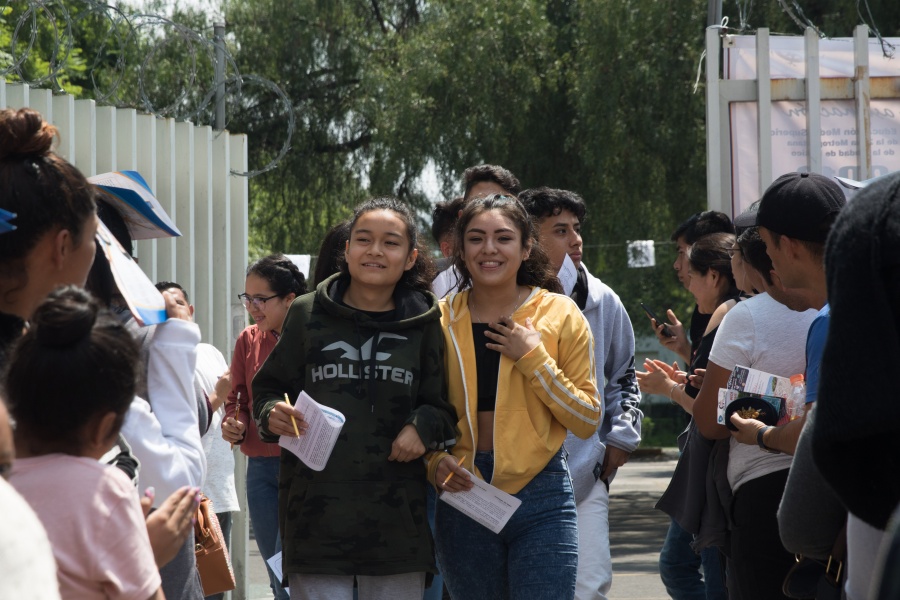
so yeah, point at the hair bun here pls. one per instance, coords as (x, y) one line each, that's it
(65, 318)
(25, 134)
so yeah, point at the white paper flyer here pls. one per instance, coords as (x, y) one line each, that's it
(315, 446)
(484, 503)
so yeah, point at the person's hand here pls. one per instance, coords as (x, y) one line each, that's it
(612, 460)
(280, 422)
(460, 480)
(170, 525)
(513, 340)
(233, 430)
(407, 445)
(223, 388)
(672, 371)
(747, 428)
(147, 501)
(677, 342)
(696, 379)
(654, 380)
(174, 310)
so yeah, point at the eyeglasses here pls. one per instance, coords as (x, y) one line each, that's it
(733, 251)
(258, 302)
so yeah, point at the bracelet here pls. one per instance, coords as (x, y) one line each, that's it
(760, 435)
(671, 391)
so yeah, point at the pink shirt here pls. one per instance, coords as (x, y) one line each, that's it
(95, 525)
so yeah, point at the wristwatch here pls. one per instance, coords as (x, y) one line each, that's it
(759, 440)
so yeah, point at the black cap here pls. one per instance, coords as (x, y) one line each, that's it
(799, 205)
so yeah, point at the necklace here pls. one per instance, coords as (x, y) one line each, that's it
(474, 308)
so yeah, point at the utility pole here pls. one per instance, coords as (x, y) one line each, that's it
(219, 38)
(714, 13)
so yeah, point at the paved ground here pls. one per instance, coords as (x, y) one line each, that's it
(637, 529)
(636, 535)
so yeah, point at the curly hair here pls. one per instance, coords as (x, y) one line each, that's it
(535, 270)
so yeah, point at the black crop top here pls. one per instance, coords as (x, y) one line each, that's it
(487, 367)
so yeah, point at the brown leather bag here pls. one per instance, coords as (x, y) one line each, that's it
(213, 561)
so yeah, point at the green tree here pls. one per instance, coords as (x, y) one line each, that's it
(34, 46)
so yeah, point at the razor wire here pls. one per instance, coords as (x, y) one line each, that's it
(194, 101)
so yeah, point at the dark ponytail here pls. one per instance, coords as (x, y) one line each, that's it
(43, 189)
(280, 273)
(76, 361)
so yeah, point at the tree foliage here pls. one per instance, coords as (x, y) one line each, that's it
(593, 96)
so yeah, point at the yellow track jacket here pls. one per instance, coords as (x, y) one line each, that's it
(548, 391)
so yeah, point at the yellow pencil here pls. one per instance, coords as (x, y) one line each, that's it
(293, 420)
(451, 472)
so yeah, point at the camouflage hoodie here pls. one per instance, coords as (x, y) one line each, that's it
(362, 514)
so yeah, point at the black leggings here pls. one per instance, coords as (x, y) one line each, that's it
(759, 562)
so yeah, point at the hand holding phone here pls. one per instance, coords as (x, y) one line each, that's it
(665, 330)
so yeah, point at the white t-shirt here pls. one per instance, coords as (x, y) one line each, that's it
(27, 567)
(219, 483)
(445, 282)
(95, 524)
(765, 335)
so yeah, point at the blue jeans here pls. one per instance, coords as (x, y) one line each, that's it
(435, 591)
(679, 568)
(535, 556)
(262, 502)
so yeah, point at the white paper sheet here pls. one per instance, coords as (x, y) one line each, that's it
(315, 446)
(484, 503)
(275, 565)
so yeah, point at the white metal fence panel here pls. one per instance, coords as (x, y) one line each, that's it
(189, 169)
(806, 94)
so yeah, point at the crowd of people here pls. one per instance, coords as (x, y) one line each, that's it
(763, 510)
(506, 362)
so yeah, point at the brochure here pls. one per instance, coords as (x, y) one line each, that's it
(745, 379)
(144, 215)
(144, 301)
(757, 390)
(484, 503)
(314, 447)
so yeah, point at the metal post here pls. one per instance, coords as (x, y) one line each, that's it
(862, 92)
(813, 102)
(714, 12)
(764, 108)
(219, 37)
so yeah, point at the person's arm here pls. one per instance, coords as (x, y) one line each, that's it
(281, 374)
(237, 406)
(705, 405)
(782, 438)
(433, 421)
(220, 393)
(568, 385)
(621, 394)
(166, 440)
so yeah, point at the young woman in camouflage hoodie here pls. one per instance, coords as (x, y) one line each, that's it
(368, 343)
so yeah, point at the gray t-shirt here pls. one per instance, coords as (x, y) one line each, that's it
(765, 335)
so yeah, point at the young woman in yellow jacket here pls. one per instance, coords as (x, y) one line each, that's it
(520, 373)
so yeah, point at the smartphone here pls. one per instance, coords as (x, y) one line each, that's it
(665, 330)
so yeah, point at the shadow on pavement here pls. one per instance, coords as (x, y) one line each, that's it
(637, 531)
